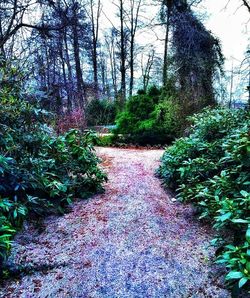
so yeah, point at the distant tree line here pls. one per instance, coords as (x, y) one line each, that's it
(68, 56)
(64, 52)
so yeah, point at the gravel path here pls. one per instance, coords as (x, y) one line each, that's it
(131, 241)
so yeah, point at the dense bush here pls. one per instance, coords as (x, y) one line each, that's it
(40, 172)
(100, 112)
(149, 119)
(211, 168)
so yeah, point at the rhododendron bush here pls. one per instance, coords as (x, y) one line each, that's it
(40, 172)
(211, 168)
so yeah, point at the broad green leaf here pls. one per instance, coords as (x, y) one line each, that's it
(243, 281)
(234, 275)
(243, 221)
(230, 246)
(224, 216)
(248, 234)
(248, 266)
(244, 193)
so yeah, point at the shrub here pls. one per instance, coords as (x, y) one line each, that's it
(6, 233)
(100, 112)
(149, 119)
(211, 168)
(105, 140)
(40, 172)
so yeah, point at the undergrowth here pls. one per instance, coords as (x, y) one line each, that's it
(211, 169)
(149, 118)
(40, 172)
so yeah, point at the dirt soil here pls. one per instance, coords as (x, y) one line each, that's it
(134, 240)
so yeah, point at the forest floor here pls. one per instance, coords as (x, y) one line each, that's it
(134, 240)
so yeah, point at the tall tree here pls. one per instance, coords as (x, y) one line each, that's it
(110, 41)
(146, 68)
(166, 13)
(60, 53)
(76, 47)
(94, 15)
(123, 51)
(197, 56)
(135, 7)
(14, 15)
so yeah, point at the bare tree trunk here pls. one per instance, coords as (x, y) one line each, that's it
(147, 70)
(231, 87)
(114, 75)
(131, 83)
(245, 2)
(123, 55)
(103, 74)
(65, 82)
(2, 51)
(110, 44)
(47, 65)
(95, 36)
(70, 75)
(165, 62)
(134, 15)
(79, 77)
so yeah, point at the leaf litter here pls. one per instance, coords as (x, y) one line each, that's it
(134, 240)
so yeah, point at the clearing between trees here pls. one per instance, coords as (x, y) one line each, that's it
(134, 240)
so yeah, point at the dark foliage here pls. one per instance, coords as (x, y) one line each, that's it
(197, 56)
(40, 172)
(149, 119)
(211, 168)
(101, 112)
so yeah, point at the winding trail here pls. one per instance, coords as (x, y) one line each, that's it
(132, 241)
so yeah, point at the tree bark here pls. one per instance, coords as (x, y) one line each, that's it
(95, 36)
(134, 15)
(70, 75)
(247, 5)
(76, 49)
(123, 55)
(165, 62)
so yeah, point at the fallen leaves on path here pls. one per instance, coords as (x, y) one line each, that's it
(131, 241)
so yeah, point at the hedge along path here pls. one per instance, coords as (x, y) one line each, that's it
(132, 241)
